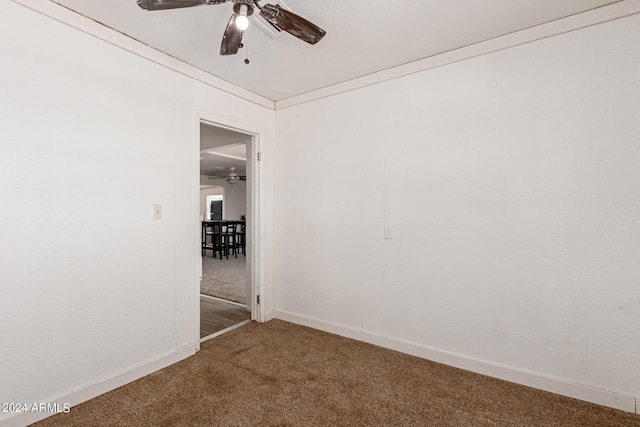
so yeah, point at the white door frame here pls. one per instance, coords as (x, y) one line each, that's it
(255, 218)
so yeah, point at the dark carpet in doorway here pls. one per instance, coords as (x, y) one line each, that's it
(225, 278)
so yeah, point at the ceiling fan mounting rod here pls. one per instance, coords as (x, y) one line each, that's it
(237, 5)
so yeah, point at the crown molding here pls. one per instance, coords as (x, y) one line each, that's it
(597, 16)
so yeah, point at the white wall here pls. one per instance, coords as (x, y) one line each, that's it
(91, 286)
(512, 182)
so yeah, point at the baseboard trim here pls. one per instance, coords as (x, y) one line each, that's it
(76, 397)
(583, 392)
(270, 316)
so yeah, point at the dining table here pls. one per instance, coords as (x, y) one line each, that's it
(216, 237)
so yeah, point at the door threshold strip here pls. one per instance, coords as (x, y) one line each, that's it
(230, 328)
(223, 300)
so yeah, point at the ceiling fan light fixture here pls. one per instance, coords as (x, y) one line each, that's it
(233, 176)
(242, 21)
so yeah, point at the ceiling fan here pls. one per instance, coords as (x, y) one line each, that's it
(232, 178)
(279, 18)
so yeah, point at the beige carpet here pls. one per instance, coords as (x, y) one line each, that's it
(225, 278)
(280, 374)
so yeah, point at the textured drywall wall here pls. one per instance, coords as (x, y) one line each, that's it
(511, 181)
(93, 286)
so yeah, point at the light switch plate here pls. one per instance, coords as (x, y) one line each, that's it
(157, 212)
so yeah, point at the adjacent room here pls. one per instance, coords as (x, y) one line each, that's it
(224, 286)
(267, 212)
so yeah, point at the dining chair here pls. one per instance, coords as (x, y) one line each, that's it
(230, 241)
(241, 238)
(212, 239)
(207, 238)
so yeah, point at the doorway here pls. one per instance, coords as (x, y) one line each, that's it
(214, 207)
(227, 179)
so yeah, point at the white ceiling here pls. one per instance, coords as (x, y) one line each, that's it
(363, 36)
(221, 149)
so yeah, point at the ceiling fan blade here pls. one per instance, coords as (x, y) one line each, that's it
(292, 23)
(232, 38)
(171, 4)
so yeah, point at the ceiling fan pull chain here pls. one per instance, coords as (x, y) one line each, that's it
(246, 49)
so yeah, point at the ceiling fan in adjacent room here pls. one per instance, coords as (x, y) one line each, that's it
(278, 17)
(232, 178)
